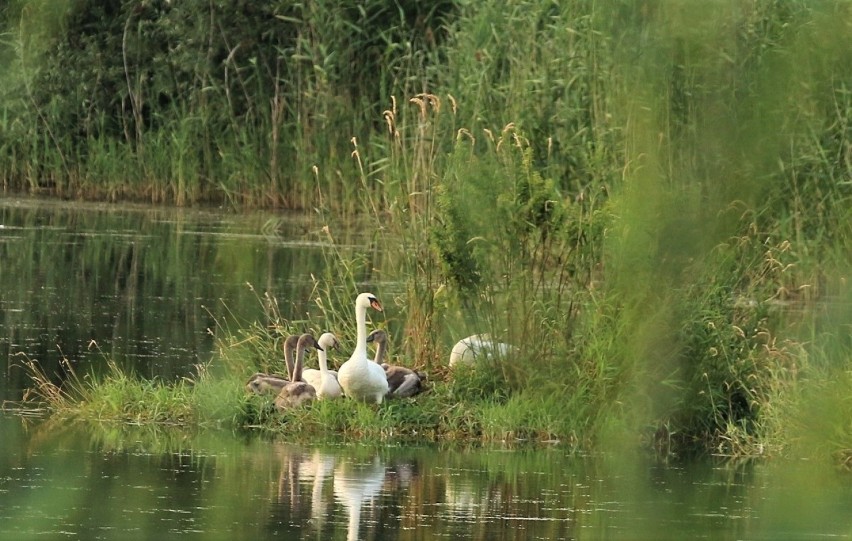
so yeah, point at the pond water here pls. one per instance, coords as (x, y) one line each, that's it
(141, 285)
(145, 285)
(131, 483)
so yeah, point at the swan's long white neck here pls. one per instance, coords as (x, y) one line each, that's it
(323, 361)
(361, 322)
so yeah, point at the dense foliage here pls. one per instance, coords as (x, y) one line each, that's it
(200, 101)
(653, 200)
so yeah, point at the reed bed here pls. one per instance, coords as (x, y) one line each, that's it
(653, 203)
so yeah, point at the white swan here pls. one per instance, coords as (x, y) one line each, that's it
(360, 378)
(324, 380)
(297, 392)
(478, 346)
(402, 381)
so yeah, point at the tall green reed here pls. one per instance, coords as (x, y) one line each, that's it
(699, 259)
(637, 211)
(208, 101)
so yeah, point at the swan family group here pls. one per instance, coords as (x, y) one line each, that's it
(359, 378)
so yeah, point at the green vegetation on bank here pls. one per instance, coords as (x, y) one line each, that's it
(653, 202)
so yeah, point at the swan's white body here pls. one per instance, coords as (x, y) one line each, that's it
(361, 379)
(314, 376)
(478, 346)
(324, 380)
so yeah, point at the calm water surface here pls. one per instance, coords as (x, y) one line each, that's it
(131, 484)
(141, 285)
(145, 285)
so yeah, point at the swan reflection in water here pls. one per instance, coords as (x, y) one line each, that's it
(300, 468)
(316, 470)
(355, 483)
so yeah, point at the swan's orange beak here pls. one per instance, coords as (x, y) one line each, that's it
(374, 302)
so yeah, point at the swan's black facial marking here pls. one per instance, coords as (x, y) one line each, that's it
(374, 302)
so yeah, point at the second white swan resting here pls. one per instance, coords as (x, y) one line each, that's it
(324, 380)
(478, 346)
(361, 379)
(402, 381)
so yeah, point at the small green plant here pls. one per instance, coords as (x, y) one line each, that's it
(119, 396)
